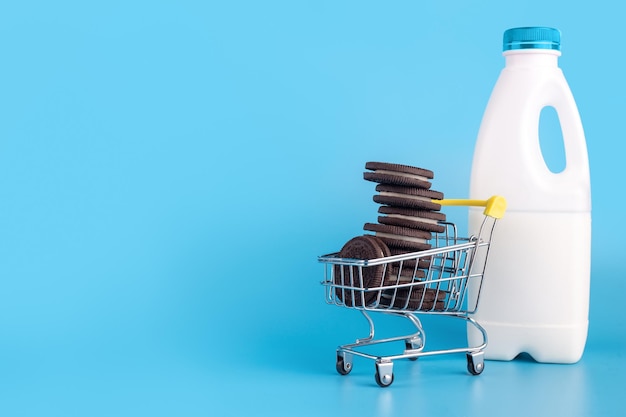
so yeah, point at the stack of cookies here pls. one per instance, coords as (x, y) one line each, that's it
(409, 215)
(409, 211)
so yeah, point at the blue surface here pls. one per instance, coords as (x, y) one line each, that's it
(170, 171)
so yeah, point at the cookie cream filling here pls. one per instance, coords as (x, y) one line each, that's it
(413, 197)
(400, 237)
(413, 218)
(403, 174)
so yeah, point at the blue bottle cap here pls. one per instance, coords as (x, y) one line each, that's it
(532, 38)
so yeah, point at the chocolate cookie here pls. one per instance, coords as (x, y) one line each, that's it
(411, 223)
(364, 247)
(403, 276)
(385, 230)
(407, 201)
(386, 173)
(409, 212)
(405, 245)
(422, 263)
(415, 219)
(405, 169)
(409, 191)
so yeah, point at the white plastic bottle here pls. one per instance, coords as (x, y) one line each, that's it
(535, 296)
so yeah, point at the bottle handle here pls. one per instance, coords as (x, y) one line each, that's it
(559, 96)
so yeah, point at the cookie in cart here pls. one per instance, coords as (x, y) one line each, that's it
(411, 262)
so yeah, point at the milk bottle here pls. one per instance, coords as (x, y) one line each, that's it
(535, 296)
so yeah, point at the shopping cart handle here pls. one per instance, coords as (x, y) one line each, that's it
(494, 206)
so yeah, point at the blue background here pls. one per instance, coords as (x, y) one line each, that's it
(170, 171)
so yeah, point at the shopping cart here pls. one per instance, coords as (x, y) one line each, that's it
(445, 280)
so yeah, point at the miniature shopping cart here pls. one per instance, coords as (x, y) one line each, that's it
(445, 280)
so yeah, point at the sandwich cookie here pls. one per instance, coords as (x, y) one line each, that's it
(412, 238)
(408, 197)
(364, 247)
(405, 175)
(415, 219)
(422, 263)
(404, 275)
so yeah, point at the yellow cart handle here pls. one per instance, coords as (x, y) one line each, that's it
(494, 206)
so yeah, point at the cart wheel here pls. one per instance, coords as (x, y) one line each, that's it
(413, 344)
(385, 380)
(475, 363)
(409, 346)
(343, 366)
(384, 373)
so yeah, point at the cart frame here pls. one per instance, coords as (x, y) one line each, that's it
(449, 286)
